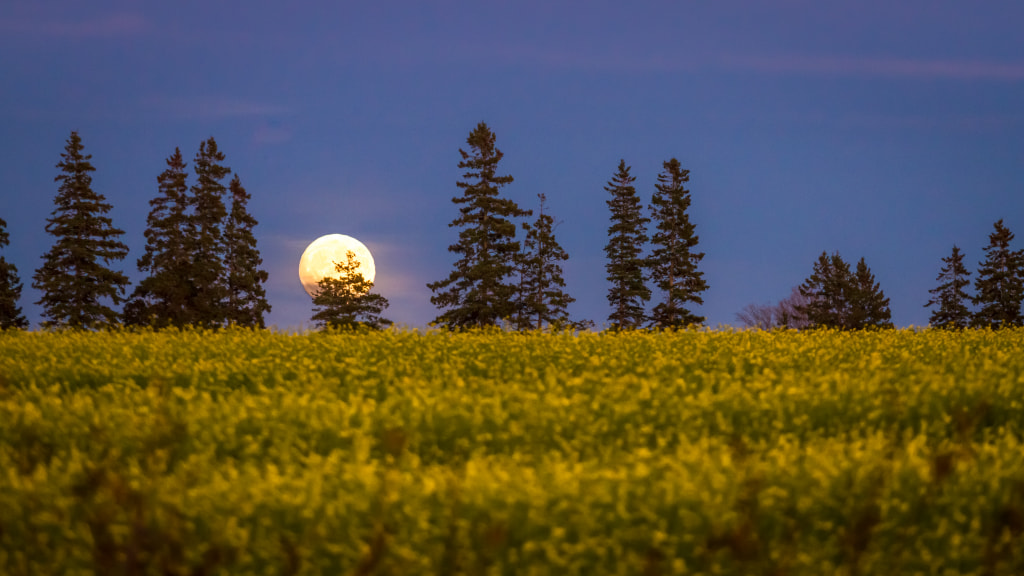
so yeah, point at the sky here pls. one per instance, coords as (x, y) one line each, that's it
(884, 130)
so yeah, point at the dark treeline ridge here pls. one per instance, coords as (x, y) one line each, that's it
(202, 266)
(201, 261)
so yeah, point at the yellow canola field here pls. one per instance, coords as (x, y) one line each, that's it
(691, 452)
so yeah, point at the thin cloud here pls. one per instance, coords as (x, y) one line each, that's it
(214, 107)
(886, 67)
(584, 58)
(271, 134)
(117, 25)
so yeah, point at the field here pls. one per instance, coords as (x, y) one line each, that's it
(697, 452)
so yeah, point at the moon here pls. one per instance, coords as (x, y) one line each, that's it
(318, 260)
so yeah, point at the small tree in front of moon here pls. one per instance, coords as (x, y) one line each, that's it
(346, 301)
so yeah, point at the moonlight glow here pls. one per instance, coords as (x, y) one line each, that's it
(319, 257)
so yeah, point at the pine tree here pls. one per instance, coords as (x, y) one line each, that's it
(950, 295)
(10, 288)
(826, 293)
(999, 285)
(74, 281)
(674, 259)
(625, 266)
(164, 297)
(835, 297)
(478, 291)
(346, 301)
(542, 299)
(246, 297)
(208, 278)
(868, 305)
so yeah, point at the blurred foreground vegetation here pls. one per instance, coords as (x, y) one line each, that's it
(696, 452)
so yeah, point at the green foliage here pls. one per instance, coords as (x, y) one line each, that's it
(164, 297)
(674, 258)
(835, 297)
(10, 288)
(202, 260)
(950, 297)
(686, 452)
(999, 285)
(246, 298)
(208, 276)
(869, 307)
(625, 267)
(74, 278)
(346, 301)
(479, 290)
(542, 300)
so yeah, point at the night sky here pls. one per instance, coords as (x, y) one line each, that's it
(888, 130)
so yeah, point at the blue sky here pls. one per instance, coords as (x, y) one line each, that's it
(888, 130)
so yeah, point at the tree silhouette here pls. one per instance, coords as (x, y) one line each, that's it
(346, 301)
(207, 277)
(674, 259)
(950, 297)
(869, 307)
(785, 314)
(542, 298)
(74, 277)
(246, 298)
(825, 291)
(478, 291)
(164, 297)
(999, 285)
(838, 298)
(625, 266)
(10, 288)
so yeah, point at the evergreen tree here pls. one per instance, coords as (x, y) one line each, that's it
(164, 297)
(835, 297)
(10, 288)
(826, 292)
(346, 301)
(999, 285)
(478, 291)
(674, 259)
(625, 266)
(246, 297)
(869, 307)
(208, 278)
(542, 299)
(73, 279)
(950, 295)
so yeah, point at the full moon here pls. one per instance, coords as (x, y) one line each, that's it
(318, 260)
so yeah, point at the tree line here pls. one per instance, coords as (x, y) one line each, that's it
(201, 263)
(499, 281)
(836, 297)
(202, 266)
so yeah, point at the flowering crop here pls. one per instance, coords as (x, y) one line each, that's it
(703, 452)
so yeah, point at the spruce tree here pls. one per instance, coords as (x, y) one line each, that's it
(835, 297)
(164, 297)
(542, 298)
(625, 266)
(674, 258)
(75, 278)
(868, 305)
(826, 291)
(246, 297)
(999, 285)
(208, 278)
(347, 301)
(950, 297)
(479, 290)
(10, 288)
